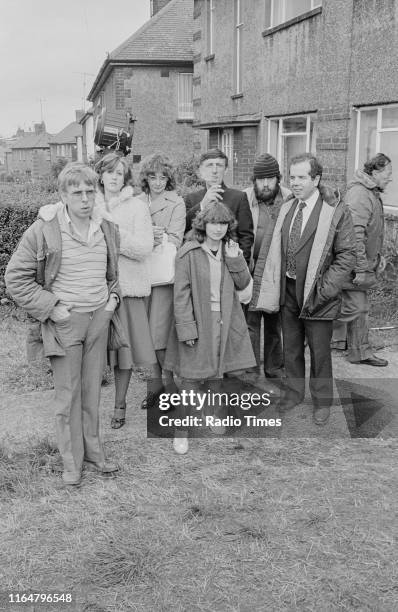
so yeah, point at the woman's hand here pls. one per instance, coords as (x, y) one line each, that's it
(190, 342)
(232, 249)
(158, 232)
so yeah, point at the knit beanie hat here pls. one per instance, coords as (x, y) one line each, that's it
(265, 166)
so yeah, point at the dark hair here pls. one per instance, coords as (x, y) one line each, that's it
(108, 163)
(157, 163)
(378, 162)
(213, 154)
(213, 213)
(315, 166)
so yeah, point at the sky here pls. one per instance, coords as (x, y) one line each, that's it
(46, 46)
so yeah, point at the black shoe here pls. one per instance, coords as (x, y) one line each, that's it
(151, 400)
(373, 361)
(321, 415)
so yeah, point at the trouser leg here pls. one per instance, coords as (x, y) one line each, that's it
(319, 334)
(254, 326)
(273, 351)
(67, 384)
(93, 361)
(339, 338)
(293, 345)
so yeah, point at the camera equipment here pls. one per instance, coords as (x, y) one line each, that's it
(114, 130)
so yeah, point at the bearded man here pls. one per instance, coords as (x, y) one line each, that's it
(266, 197)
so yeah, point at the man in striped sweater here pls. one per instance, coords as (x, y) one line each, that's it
(64, 274)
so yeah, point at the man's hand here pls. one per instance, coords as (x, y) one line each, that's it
(360, 278)
(382, 264)
(112, 303)
(190, 342)
(232, 249)
(213, 195)
(59, 313)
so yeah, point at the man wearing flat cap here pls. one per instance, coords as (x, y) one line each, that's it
(266, 197)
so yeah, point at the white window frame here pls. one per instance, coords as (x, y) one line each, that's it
(314, 4)
(226, 139)
(281, 134)
(379, 131)
(238, 46)
(185, 108)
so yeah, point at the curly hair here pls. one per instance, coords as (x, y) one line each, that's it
(213, 213)
(153, 164)
(378, 162)
(108, 163)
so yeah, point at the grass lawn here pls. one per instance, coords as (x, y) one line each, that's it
(236, 525)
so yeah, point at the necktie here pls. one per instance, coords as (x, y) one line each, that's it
(294, 237)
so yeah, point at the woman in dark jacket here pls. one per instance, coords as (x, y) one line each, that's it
(211, 335)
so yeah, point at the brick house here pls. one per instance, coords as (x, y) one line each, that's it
(68, 142)
(285, 76)
(150, 75)
(88, 146)
(29, 154)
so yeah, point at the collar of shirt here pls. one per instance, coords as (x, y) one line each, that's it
(95, 223)
(206, 248)
(307, 210)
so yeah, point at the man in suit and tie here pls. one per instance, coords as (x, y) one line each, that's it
(312, 254)
(212, 167)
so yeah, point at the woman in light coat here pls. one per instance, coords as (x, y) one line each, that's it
(167, 210)
(115, 199)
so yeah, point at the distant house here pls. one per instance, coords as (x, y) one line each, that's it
(288, 76)
(30, 153)
(88, 146)
(68, 142)
(150, 75)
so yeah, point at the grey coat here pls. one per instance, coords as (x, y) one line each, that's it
(193, 317)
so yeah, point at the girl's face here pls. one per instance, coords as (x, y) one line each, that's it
(216, 231)
(114, 179)
(157, 182)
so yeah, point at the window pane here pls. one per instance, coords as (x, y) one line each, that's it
(389, 146)
(367, 138)
(185, 102)
(389, 118)
(296, 7)
(273, 142)
(292, 145)
(294, 124)
(267, 14)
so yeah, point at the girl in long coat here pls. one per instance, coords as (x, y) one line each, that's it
(211, 336)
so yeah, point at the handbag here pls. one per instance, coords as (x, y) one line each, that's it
(116, 335)
(162, 263)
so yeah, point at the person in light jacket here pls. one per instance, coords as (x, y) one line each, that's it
(116, 202)
(64, 273)
(210, 337)
(167, 210)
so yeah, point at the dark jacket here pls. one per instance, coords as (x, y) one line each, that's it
(366, 207)
(238, 204)
(193, 317)
(34, 266)
(325, 257)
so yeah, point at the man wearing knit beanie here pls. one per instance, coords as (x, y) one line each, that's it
(266, 197)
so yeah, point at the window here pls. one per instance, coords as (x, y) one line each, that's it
(279, 11)
(227, 145)
(377, 132)
(210, 26)
(289, 136)
(238, 47)
(185, 102)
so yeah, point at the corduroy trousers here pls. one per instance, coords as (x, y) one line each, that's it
(77, 382)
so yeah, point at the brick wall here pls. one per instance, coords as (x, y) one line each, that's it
(245, 146)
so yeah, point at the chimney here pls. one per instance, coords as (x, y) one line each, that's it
(157, 5)
(79, 114)
(40, 128)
